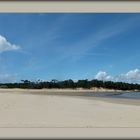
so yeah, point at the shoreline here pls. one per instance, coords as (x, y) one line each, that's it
(68, 90)
(114, 100)
(102, 95)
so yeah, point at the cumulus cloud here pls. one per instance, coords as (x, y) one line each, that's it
(102, 75)
(8, 78)
(6, 46)
(132, 76)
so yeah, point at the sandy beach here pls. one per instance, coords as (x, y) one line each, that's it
(22, 108)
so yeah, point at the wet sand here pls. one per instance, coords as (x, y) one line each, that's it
(52, 109)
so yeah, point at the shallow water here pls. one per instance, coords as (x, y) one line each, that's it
(133, 95)
(101, 94)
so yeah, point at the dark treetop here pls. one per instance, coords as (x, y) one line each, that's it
(86, 84)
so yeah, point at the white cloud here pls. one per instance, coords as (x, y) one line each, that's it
(8, 78)
(6, 46)
(132, 76)
(102, 75)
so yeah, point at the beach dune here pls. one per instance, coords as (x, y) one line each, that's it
(18, 109)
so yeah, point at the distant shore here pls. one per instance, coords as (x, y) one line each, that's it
(70, 92)
(68, 89)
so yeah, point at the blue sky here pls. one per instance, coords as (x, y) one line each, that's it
(70, 46)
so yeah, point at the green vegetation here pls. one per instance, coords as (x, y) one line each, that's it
(26, 84)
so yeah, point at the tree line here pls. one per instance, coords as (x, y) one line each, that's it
(86, 84)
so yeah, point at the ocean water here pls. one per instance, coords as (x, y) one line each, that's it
(133, 95)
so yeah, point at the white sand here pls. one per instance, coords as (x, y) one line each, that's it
(32, 110)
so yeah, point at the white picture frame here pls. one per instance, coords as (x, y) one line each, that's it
(73, 7)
